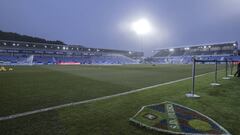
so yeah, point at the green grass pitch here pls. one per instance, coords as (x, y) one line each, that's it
(31, 88)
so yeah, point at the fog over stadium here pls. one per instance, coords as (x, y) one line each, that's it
(106, 23)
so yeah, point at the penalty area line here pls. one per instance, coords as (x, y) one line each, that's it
(17, 115)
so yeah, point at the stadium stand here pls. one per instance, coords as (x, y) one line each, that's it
(28, 53)
(183, 55)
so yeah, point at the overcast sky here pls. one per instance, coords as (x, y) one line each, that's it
(106, 23)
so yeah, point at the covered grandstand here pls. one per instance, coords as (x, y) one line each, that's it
(183, 55)
(25, 53)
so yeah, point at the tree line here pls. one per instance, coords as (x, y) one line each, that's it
(25, 38)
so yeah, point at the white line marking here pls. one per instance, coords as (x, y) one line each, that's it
(90, 100)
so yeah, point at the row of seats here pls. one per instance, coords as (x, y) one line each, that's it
(43, 60)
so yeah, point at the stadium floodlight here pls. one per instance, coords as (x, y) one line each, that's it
(142, 27)
(234, 44)
(187, 48)
(171, 50)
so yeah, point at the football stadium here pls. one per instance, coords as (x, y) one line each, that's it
(49, 87)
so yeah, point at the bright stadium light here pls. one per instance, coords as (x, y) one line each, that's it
(171, 50)
(142, 27)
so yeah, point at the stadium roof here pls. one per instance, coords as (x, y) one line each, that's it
(206, 44)
(23, 42)
(73, 46)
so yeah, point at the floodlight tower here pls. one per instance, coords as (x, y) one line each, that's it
(141, 27)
